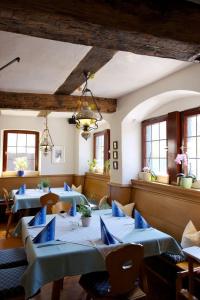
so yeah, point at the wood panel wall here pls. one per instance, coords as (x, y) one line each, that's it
(121, 193)
(167, 207)
(96, 185)
(31, 182)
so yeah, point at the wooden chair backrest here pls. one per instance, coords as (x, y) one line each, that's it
(123, 266)
(6, 196)
(49, 200)
(61, 206)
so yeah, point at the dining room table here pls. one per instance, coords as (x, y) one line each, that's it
(31, 197)
(79, 250)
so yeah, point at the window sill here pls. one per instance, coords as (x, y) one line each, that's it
(14, 174)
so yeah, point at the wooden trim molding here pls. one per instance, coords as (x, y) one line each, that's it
(120, 192)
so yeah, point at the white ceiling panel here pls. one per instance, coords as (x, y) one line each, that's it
(44, 65)
(19, 112)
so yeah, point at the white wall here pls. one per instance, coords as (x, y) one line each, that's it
(61, 132)
(142, 104)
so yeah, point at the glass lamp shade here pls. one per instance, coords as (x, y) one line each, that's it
(46, 144)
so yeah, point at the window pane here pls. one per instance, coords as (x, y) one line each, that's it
(30, 140)
(198, 124)
(155, 165)
(191, 126)
(198, 169)
(148, 149)
(21, 140)
(155, 149)
(163, 166)
(155, 131)
(191, 147)
(12, 149)
(163, 149)
(30, 150)
(31, 164)
(12, 139)
(21, 150)
(198, 147)
(192, 166)
(163, 130)
(148, 133)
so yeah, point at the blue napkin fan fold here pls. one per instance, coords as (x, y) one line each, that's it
(40, 217)
(66, 187)
(21, 190)
(106, 236)
(47, 234)
(72, 211)
(116, 210)
(140, 222)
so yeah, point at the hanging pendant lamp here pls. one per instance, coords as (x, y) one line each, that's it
(46, 143)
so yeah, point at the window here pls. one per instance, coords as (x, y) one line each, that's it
(155, 145)
(18, 143)
(102, 148)
(192, 140)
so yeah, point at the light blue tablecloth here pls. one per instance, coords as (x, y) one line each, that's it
(83, 250)
(31, 198)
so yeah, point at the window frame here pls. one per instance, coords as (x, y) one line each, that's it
(5, 146)
(184, 116)
(106, 134)
(146, 123)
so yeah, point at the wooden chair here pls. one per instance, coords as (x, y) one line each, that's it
(49, 200)
(61, 206)
(8, 211)
(120, 281)
(181, 289)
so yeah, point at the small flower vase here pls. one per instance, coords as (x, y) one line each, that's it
(20, 173)
(146, 176)
(186, 182)
(85, 221)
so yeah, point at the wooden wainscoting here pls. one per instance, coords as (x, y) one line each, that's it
(11, 183)
(79, 180)
(167, 207)
(120, 192)
(96, 185)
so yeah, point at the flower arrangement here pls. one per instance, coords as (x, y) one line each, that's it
(148, 170)
(92, 165)
(21, 163)
(182, 159)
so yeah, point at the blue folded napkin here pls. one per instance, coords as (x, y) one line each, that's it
(116, 210)
(21, 190)
(47, 234)
(140, 222)
(106, 236)
(66, 187)
(72, 211)
(40, 217)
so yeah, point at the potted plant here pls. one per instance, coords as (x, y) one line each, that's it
(187, 178)
(92, 165)
(45, 185)
(21, 164)
(86, 214)
(147, 174)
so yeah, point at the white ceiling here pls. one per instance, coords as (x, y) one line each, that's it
(45, 65)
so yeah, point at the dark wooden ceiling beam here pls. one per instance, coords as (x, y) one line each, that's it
(94, 60)
(159, 28)
(49, 102)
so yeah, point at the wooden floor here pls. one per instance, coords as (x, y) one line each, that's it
(72, 289)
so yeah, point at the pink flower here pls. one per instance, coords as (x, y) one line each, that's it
(181, 158)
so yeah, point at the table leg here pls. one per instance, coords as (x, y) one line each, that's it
(190, 268)
(57, 286)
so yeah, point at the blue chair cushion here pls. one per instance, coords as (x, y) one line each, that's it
(10, 282)
(173, 258)
(11, 258)
(96, 283)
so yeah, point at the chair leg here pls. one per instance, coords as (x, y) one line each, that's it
(8, 224)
